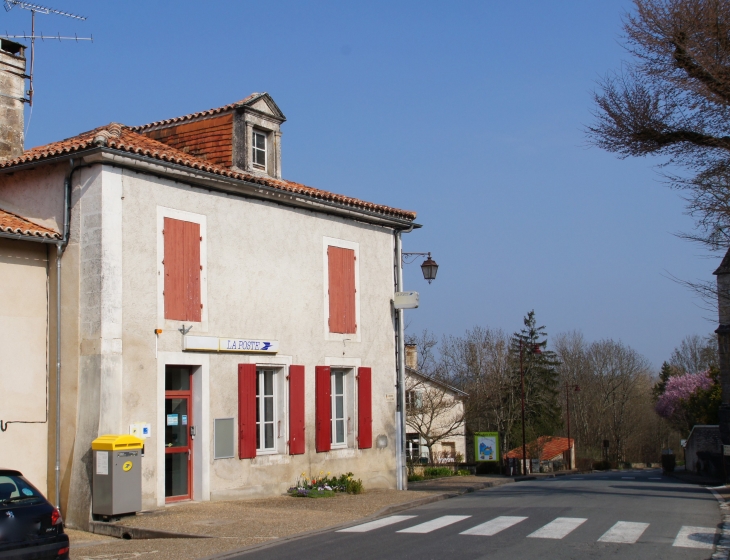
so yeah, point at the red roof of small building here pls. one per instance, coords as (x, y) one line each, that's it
(126, 139)
(549, 446)
(12, 223)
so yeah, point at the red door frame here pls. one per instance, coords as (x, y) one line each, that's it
(188, 395)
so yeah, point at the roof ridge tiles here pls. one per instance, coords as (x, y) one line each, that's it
(128, 139)
(197, 114)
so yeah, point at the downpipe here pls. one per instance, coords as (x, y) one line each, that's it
(60, 248)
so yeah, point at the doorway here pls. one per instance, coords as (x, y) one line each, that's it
(178, 432)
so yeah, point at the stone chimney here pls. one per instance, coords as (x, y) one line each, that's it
(12, 95)
(412, 357)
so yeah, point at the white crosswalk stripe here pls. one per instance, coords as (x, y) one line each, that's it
(558, 528)
(434, 524)
(624, 532)
(377, 524)
(494, 526)
(696, 537)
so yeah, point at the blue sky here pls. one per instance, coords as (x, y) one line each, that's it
(470, 113)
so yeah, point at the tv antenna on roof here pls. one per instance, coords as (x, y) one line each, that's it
(10, 4)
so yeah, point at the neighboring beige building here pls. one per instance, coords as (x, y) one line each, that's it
(24, 314)
(434, 411)
(241, 321)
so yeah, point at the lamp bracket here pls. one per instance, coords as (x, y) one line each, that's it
(408, 258)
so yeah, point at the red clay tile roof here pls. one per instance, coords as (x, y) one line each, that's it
(12, 223)
(200, 114)
(123, 138)
(551, 447)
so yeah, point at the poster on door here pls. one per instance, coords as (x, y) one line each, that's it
(486, 446)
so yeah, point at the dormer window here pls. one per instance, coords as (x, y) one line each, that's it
(258, 156)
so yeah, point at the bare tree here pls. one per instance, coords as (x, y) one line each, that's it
(695, 353)
(673, 100)
(432, 411)
(614, 402)
(480, 364)
(426, 342)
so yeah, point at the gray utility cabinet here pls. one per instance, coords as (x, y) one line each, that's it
(117, 479)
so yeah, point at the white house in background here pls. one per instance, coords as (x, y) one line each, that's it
(434, 410)
(244, 320)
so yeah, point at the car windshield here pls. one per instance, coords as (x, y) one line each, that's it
(16, 489)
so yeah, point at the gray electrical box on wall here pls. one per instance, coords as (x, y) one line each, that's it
(117, 478)
(405, 300)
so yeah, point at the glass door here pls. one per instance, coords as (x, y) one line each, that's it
(178, 443)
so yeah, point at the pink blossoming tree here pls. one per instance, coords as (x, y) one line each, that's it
(672, 403)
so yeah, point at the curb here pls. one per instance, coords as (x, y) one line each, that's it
(124, 532)
(388, 510)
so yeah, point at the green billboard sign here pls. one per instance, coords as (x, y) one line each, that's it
(486, 446)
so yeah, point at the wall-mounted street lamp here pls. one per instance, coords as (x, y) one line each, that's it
(408, 300)
(429, 266)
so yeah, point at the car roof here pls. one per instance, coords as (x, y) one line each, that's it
(10, 472)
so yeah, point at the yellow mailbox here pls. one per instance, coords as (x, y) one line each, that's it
(117, 480)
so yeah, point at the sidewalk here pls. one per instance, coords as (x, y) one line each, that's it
(227, 526)
(215, 528)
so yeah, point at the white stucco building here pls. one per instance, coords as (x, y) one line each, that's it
(245, 320)
(434, 414)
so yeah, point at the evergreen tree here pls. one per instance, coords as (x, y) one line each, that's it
(542, 391)
(665, 373)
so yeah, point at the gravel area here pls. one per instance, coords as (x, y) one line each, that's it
(234, 524)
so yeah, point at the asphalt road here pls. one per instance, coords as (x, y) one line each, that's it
(625, 515)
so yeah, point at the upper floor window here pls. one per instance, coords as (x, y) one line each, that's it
(258, 156)
(342, 292)
(182, 270)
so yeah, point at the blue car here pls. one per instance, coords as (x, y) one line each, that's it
(30, 527)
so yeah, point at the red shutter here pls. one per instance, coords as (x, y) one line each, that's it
(182, 270)
(191, 246)
(246, 411)
(174, 270)
(341, 275)
(296, 410)
(364, 408)
(323, 406)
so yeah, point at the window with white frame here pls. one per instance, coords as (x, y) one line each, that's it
(266, 410)
(414, 399)
(258, 155)
(339, 408)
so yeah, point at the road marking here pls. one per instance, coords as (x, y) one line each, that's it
(558, 528)
(696, 537)
(624, 532)
(377, 524)
(494, 526)
(434, 524)
(628, 478)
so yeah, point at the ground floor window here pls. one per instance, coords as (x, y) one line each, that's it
(413, 447)
(265, 409)
(339, 408)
